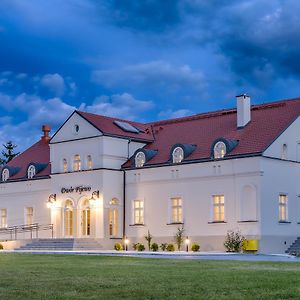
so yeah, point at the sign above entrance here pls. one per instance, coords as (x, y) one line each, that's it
(78, 189)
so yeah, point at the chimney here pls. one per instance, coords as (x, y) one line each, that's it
(243, 110)
(46, 129)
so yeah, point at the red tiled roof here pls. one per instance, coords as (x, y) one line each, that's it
(268, 121)
(106, 125)
(39, 153)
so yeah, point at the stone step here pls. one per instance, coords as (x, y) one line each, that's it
(295, 247)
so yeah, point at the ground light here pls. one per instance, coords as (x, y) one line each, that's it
(126, 241)
(187, 242)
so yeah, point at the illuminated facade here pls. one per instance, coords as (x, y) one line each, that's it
(102, 178)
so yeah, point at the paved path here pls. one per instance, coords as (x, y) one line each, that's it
(173, 255)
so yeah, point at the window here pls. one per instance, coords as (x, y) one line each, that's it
(283, 208)
(138, 212)
(176, 210)
(284, 151)
(31, 172)
(5, 175)
(3, 218)
(77, 163)
(76, 128)
(65, 165)
(178, 155)
(89, 162)
(219, 150)
(218, 208)
(140, 159)
(68, 218)
(29, 215)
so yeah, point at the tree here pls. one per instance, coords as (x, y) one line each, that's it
(179, 237)
(148, 238)
(8, 153)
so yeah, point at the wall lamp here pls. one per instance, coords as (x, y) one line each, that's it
(95, 196)
(51, 200)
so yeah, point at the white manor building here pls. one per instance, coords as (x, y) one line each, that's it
(103, 178)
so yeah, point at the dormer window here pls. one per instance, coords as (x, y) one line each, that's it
(178, 155)
(77, 163)
(65, 165)
(31, 172)
(89, 162)
(5, 175)
(219, 150)
(140, 159)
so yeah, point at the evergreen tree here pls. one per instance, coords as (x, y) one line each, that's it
(8, 153)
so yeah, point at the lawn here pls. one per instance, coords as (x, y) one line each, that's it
(28, 276)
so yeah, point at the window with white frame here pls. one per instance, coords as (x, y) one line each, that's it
(283, 208)
(29, 215)
(89, 162)
(138, 212)
(76, 163)
(3, 218)
(219, 150)
(5, 175)
(218, 208)
(65, 165)
(140, 159)
(178, 155)
(176, 210)
(31, 171)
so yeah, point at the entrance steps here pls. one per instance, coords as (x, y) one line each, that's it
(294, 248)
(63, 244)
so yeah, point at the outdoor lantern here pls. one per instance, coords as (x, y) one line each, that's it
(95, 197)
(51, 200)
(187, 242)
(126, 241)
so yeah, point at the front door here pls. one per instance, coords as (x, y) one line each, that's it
(68, 222)
(86, 222)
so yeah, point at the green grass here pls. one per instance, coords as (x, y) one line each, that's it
(27, 276)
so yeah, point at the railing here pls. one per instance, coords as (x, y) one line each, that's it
(32, 228)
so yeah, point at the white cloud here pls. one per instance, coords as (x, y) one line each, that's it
(54, 83)
(171, 114)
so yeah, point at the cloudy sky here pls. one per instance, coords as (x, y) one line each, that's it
(143, 60)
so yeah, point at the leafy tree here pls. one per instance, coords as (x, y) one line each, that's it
(8, 153)
(179, 237)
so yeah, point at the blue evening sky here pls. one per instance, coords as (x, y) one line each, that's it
(143, 60)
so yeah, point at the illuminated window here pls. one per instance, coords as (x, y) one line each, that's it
(138, 212)
(218, 208)
(68, 218)
(65, 165)
(89, 162)
(284, 151)
(283, 208)
(114, 217)
(31, 172)
(177, 155)
(176, 210)
(5, 175)
(3, 218)
(114, 201)
(219, 150)
(77, 163)
(29, 215)
(140, 159)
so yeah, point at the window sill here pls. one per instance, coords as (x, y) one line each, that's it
(248, 221)
(176, 223)
(115, 238)
(136, 224)
(284, 222)
(217, 222)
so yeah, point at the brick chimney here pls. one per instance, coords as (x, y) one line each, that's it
(243, 105)
(46, 129)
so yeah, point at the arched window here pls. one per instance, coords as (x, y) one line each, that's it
(31, 172)
(68, 218)
(65, 165)
(5, 175)
(85, 218)
(89, 162)
(284, 151)
(114, 217)
(219, 150)
(178, 155)
(77, 163)
(140, 159)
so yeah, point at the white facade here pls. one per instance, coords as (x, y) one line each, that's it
(215, 196)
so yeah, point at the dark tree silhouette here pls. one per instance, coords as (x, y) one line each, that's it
(8, 153)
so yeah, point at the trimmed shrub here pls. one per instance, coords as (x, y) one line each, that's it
(140, 247)
(135, 246)
(170, 248)
(195, 247)
(163, 246)
(234, 241)
(1, 247)
(154, 247)
(118, 247)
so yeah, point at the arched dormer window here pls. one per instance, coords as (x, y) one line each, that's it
(31, 171)
(177, 155)
(219, 150)
(5, 175)
(89, 162)
(140, 159)
(65, 166)
(76, 163)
